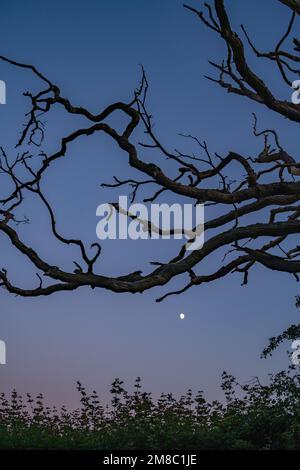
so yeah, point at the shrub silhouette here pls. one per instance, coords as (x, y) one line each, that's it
(252, 416)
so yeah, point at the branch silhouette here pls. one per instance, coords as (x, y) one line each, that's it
(200, 178)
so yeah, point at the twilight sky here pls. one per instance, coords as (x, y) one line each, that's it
(92, 51)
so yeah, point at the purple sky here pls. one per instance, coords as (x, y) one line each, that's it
(92, 50)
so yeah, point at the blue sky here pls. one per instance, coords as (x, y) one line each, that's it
(93, 51)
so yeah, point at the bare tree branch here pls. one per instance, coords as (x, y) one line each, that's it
(266, 184)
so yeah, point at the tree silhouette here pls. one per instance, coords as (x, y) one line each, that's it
(202, 179)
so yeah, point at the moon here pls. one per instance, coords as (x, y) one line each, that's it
(182, 316)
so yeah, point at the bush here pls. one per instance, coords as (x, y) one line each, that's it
(253, 416)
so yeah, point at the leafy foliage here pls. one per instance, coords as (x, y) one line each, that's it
(291, 333)
(253, 416)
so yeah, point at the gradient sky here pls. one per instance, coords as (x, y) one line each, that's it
(92, 50)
